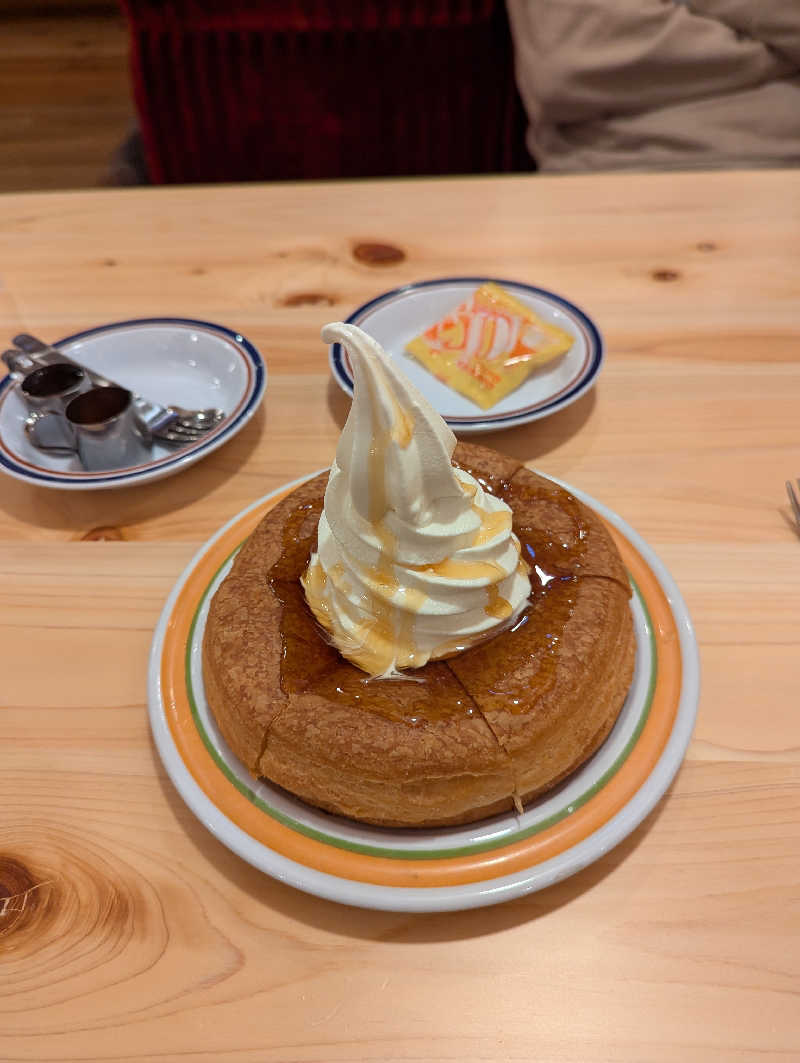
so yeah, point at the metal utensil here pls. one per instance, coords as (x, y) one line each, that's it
(794, 501)
(172, 424)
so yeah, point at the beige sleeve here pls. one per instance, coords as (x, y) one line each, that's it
(773, 22)
(579, 60)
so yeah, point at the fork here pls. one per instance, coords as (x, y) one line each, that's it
(172, 424)
(794, 500)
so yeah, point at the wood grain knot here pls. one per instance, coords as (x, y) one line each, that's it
(24, 897)
(68, 901)
(307, 299)
(109, 262)
(665, 275)
(378, 254)
(197, 271)
(706, 245)
(103, 534)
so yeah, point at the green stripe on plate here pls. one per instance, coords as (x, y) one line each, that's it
(415, 854)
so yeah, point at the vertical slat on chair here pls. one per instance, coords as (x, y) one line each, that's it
(184, 107)
(144, 71)
(201, 56)
(237, 105)
(253, 76)
(167, 113)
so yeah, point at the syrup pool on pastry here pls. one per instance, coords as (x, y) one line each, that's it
(413, 557)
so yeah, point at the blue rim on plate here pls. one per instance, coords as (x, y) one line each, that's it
(160, 466)
(487, 421)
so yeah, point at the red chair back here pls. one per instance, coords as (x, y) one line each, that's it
(245, 90)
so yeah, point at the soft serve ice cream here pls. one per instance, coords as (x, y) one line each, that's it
(414, 560)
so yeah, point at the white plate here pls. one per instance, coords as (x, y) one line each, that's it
(557, 835)
(398, 316)
(169, 360)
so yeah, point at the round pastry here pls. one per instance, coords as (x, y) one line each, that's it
(463, 737)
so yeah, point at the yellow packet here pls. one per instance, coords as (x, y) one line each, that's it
(488, 345)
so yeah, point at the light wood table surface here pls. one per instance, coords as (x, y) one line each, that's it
(127, 931)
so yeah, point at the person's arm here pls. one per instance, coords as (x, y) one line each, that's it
(774, 22)
(583, 59)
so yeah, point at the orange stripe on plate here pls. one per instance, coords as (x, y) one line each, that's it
(385, 871)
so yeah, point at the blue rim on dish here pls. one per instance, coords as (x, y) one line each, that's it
(485, 420)
(183, 457)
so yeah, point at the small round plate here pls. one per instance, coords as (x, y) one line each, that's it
(429, 870)
(398, 316)
(169, 360)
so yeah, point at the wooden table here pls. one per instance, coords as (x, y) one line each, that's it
(128, 932)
